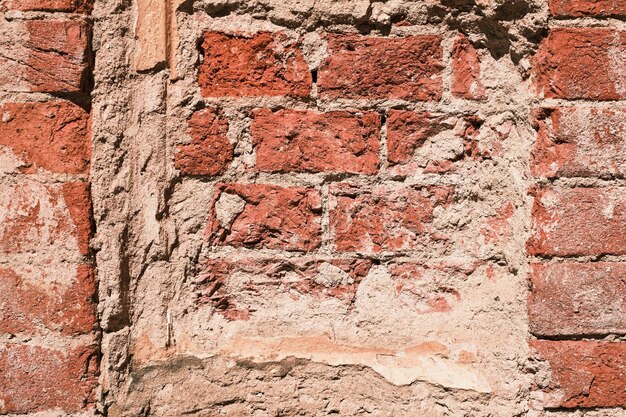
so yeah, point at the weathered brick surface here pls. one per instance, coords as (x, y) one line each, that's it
(466, 82)
(266, 216)
(307, 141)
(33, 298)
(580, 142)
(581, 63)
(577, 298)
(264, 64)
(424, 290)
(50, 136)
(209, 152)
(240, 289)
(38, 217)
(384, 218)
(407, 131)
(578, 221)
(579, 8)
(73, 6)
(353, 68)
(584, 373)
(34, 378)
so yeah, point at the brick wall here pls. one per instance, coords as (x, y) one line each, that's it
(49, 353)
(264, 208)
(576, 304)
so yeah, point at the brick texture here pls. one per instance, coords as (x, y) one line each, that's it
(70, 6)
(264, 64)
(353, 68)
(580, 142)
(579, 221)
(307, 141)
(238, 289)
(407, 131)
(581, 63)
(50, 136)
(209, 152)
(466, 82)
(27, 302)
(384, 218)
(580, 8)
(578, 299)
(266, 216)
(584, 373)
(26, 383)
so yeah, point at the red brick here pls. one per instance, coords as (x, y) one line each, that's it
(581, 63)
(584, 373)
(308, 141)
(52, 136)
(580, 142)
(578, 299)
(579, 221)
(422, 289)
(36, 217)
(28, 301)
(70, 6)
(466, 81)
(407, 131)
(263, 64)
(57, 55)
(266, 216)
(580, 8)
(383, 218)
(210, 152)
(372, 68)
(34, 378)
(237, 289)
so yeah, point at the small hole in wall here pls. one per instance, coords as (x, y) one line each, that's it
(314, 76)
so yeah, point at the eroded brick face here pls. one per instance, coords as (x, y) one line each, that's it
(210, 151)
(384, 218)
(49, 350)
(584, 373)
(264, 64)
(50, 136)
(25, 380)
(70, 6)
(579, 8)
(466, 82)
(581, 63)
(306, 141)
(266, 216)
(580, 142)
(353, 68)
(578, 298)
(579, 221)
